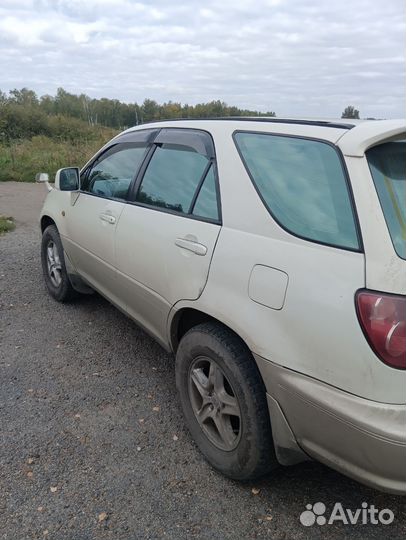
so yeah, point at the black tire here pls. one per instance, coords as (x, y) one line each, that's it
(250, 454)
(62, 291)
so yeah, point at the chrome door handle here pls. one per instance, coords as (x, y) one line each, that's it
(108, 218)
(190, 245)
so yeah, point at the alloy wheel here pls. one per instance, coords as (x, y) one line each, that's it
(54, 264)
(214, 403)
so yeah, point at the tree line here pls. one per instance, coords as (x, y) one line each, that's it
(24, 114)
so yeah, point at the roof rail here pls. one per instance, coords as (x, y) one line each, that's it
(322, 123)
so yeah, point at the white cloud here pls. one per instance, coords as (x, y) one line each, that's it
(297, 57)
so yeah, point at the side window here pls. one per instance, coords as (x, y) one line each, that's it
(110, 176)
(206, 202)
(172, 177)
(303, 186)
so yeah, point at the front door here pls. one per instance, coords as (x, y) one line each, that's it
(93, 217)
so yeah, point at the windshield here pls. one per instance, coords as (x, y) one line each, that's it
(388, 167)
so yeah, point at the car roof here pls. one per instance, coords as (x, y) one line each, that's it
(353, 136)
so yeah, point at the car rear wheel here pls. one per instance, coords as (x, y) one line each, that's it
(224, 402)
(53, 266)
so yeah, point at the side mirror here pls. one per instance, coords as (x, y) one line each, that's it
(68, 179)
(42, 177)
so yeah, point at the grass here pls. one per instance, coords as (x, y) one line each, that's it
(6, 224)
(21, 160)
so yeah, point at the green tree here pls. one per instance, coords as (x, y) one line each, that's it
(23, 97)
(3, 98)
(150, 110)
(350, 112)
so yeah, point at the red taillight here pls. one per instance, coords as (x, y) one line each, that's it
(382, 317)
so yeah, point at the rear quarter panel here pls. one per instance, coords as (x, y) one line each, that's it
(317, 331)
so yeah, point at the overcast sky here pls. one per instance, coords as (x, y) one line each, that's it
(294, 57)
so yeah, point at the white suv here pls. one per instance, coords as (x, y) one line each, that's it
(269, 256)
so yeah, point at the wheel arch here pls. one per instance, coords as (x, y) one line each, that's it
(187, 317)
(45, 222)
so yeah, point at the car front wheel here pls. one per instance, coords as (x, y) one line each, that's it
(224, 402)
(53, 266)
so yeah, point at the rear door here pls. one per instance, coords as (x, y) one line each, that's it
(168, 230)
(94, 215)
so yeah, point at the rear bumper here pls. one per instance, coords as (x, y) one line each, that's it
(363, 439)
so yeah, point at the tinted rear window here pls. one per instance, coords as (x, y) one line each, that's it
(388, 167)
(303, 185)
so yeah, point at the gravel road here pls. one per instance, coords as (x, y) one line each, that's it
(92, 441)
